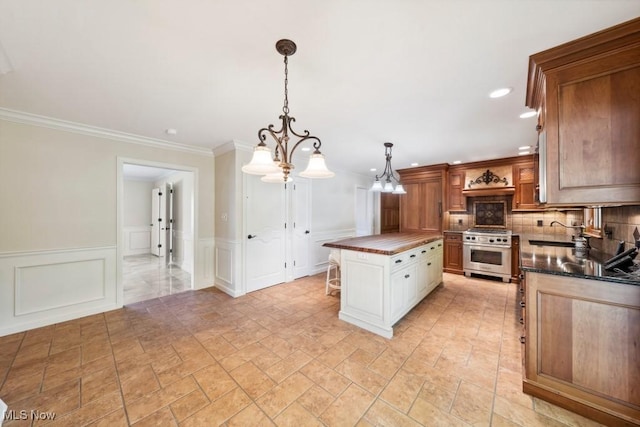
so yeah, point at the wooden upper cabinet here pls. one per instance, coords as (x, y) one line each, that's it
(389, 212)
(524, 180)
(421, 208)
(456, 201)
(591, 88)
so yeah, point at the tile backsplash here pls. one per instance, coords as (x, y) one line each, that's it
(622, 221)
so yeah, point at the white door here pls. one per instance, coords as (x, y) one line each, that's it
(265, 238)
(157, 222)
(301, 214)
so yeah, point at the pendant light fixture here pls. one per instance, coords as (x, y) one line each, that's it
(277, 168)
(383, 183)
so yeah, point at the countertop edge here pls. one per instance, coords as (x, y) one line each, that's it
(405, 247)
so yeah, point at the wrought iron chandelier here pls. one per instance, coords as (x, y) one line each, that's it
(387, 176)
(277, 167)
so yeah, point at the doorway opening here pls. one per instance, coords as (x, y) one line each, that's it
(156, 229)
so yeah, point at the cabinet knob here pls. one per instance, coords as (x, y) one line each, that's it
(522, 304)
(522, 339)
(406, 276)
(428, 263)
(424, 252)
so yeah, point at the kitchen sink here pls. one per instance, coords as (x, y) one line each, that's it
(552, 243)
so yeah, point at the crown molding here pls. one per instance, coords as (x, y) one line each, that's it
(231, 146)
(67, 126)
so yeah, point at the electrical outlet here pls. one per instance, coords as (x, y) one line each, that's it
(539, 223)
(459, 221)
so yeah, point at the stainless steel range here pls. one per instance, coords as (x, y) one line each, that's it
(487, 252)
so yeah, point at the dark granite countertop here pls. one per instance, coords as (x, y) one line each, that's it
(565, 261)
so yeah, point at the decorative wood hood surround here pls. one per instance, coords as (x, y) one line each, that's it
(489, 181)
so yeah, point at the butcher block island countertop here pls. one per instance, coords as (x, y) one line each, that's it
(385, 244)
(382, 277)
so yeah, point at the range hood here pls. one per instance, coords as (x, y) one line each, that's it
(497, 181)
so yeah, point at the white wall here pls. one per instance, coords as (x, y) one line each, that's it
(333, 216)
(59, 223)
(137, 202)
(333, 212)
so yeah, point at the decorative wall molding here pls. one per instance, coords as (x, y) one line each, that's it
(319, 253)
(137, 240)
(40, 288)
(204, 264)
(83, 129)
(228, 268)
(231, 146)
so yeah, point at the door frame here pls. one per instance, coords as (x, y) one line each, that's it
(121, 161)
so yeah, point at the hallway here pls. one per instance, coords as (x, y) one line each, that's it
(146, 277)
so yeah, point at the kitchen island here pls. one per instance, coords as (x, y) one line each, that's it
(384, 276)
(581, 332)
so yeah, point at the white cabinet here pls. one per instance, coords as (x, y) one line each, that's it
(378, 290)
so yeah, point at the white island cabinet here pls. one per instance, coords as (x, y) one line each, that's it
(384, 276)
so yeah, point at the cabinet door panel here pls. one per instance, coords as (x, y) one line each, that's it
(410, 207)
(432, 207)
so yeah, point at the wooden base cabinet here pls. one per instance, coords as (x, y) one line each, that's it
(453, 252)
(582, 346)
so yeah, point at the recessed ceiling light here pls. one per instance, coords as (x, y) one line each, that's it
(373, 170)
(414, 164)
(306, 149)
(171, 131)
(500, 92)
(457, 162)
(522, 153)
(524, 147)
(528, 114)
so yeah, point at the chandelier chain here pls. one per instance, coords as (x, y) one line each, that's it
(285, 108)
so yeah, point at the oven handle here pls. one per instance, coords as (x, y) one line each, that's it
(481, 246)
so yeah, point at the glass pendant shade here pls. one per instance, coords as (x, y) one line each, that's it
(399, 190)
(317, 168)
(388, 187)
(377, 186)
(261, 162)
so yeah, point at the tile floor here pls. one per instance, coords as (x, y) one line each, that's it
(279, 356)
(146, 276)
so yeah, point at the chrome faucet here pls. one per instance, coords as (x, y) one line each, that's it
(580, 227)
(581, 243)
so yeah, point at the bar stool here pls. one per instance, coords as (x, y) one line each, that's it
(333, 272)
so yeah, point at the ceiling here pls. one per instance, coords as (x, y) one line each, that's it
(413, 72)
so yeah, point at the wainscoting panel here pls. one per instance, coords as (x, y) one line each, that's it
(228, 267)
(319, 253)
(137, 240)
(46, 287)
(204, 274)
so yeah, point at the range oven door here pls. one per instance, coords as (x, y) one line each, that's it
(489, 260)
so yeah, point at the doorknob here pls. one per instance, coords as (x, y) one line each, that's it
(251, 236)
(307, 232)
